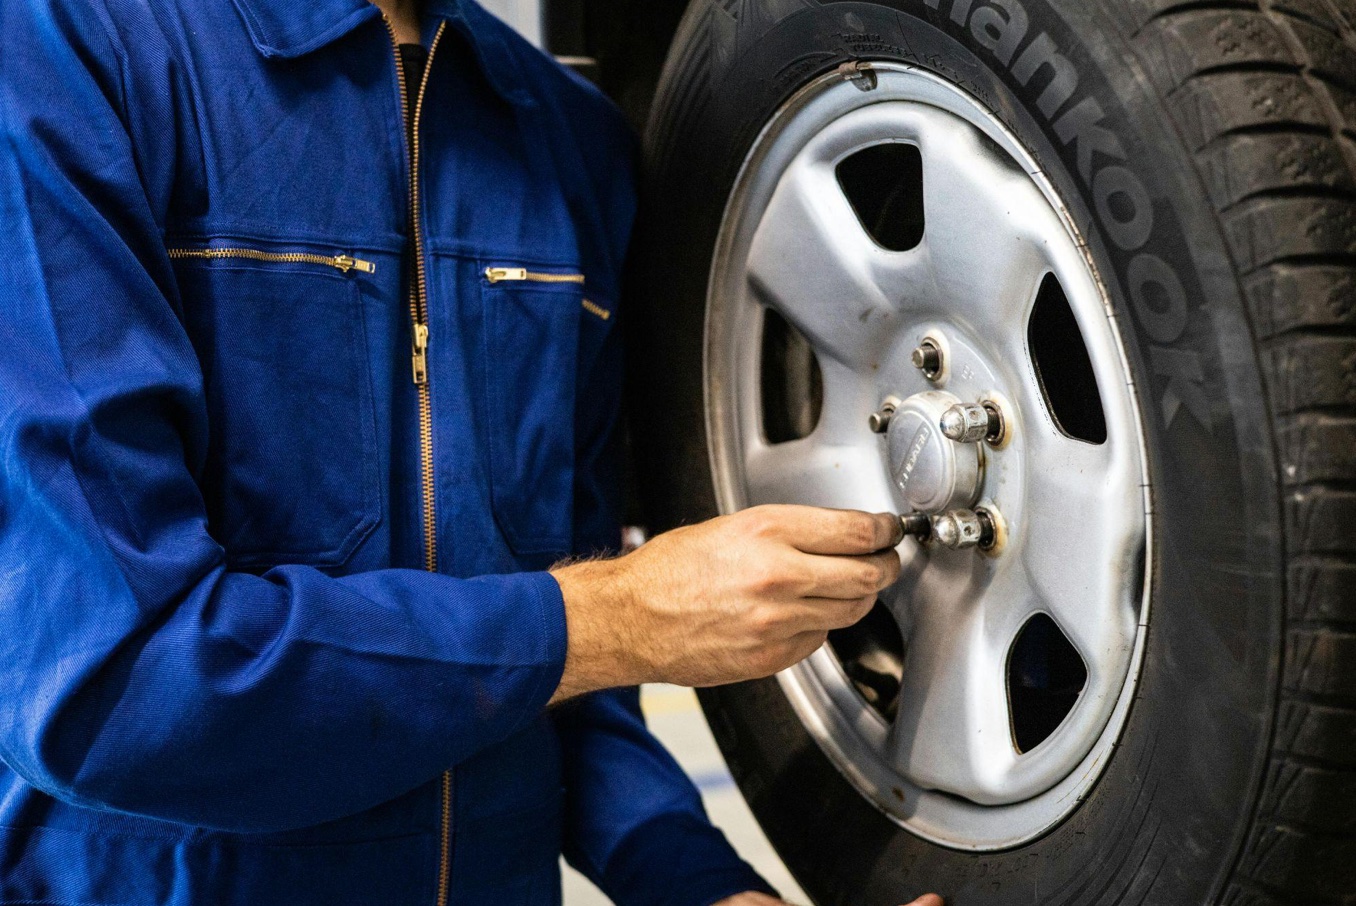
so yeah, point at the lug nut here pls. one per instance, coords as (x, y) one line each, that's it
(960, 529)
(927, 358)
(916, 525)
(965, 423)
(957, 529)
(879, 422)
(969, 423)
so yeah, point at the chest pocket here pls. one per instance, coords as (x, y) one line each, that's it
(292, 473)
(542, 330)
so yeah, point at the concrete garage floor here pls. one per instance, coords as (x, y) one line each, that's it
(676, 719)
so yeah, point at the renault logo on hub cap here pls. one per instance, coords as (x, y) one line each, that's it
(931, 472)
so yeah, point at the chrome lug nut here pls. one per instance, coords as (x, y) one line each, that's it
(969, 423)
(927, 358)
(965, 423)
(879, 421)
(960, 529)
(957, 529)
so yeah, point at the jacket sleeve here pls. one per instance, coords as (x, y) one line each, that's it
(136, 673)
(635, 824)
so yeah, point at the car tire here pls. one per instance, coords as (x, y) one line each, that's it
(1231, 129)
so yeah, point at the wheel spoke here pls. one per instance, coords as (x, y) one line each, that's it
(812, 261)
(952, 732)
(986, 223)
(849, 398)
(1079, 543)
(810, 471)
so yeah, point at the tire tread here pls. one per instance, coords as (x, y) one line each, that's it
(1264, 95)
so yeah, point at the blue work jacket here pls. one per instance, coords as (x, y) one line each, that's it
(275, 626)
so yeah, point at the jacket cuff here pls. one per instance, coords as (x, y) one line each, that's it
(550, 618)
(678, 860)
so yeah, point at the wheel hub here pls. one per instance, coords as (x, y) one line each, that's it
(932, 472)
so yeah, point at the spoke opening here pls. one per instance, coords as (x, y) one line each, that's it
(792, 384)
(1064, 367)
(872, 655)
(1045, 678)
(884, 185)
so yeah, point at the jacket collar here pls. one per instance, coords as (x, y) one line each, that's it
(288, 29)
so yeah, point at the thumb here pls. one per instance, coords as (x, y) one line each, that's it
(927, 899)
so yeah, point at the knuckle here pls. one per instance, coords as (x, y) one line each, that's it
(803, 578)
(882, 575)
(743, 520)
(760, 521)
(893, 565)
(863, 532)
(764, 581)
(764, 621)
(888, 570)
(869, 579)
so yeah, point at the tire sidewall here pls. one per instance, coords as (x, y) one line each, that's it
(1166, 818)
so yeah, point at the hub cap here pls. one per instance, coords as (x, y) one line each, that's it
(926, 707)
(931, 473)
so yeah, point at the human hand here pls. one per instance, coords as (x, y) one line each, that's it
(753, 898)
(734, 598)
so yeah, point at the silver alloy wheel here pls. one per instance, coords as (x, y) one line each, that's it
(1077, 548)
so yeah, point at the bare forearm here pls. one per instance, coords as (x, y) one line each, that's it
(601, 648)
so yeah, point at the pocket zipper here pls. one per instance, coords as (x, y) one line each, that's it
(342, 263)
(596, 310)
(523, 275)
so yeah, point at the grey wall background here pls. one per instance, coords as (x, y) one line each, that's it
(524, 15)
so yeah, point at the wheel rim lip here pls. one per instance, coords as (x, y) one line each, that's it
(818, 689)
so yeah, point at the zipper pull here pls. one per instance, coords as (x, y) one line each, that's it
(420, 354)
(348, 263)
(496, 274)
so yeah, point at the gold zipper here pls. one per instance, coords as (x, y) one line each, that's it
(596, 310)
(419, 365)
(419, 332)
(522, 274)
(344, 263)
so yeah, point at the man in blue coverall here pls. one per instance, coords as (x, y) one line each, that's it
(308, 373)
